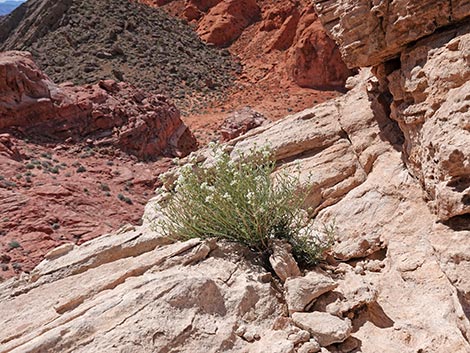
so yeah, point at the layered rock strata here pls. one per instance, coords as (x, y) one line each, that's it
(426, 82)
(109, 113)
(370, 33)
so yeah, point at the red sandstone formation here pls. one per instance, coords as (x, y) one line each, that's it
(288, 62)
(108, 113)
(287, 36)
(226, 21)
(313, 59)
(74, 174)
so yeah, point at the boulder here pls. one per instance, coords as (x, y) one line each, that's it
(226, 21)
(325, 328)
(314, 59)
(301, 291)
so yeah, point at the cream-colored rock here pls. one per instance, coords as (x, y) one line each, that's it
(336, 143)
(301, 291)
(385, 218)
(159, 298)
(309, 347)
(431, 104)
(300, 336)
(59, 251)
(282, 261)
(352, 292)
(325, 328)
(273, 341)
(372, 32)
(411, 296)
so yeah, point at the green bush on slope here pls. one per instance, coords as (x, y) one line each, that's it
(245, 202)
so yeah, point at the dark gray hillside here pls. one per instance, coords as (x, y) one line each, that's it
(86, 40)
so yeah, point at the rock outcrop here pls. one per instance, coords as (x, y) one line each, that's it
(67, 151)
(430, 102)
(129, 291)
(427, 82)
(109, 113)
(313, 59)
(369, 34)
(397, 281)
(308, 56)
(226, 21)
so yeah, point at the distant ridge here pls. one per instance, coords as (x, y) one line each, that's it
(8, 6)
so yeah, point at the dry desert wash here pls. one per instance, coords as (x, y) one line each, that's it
(390, 165)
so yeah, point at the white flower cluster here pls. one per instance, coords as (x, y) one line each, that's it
(206, 187)
(250, 196)
(184, 172)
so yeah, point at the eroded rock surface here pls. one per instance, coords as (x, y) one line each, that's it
(327, 329)
(109, 113)
(226, 21)
(431, 103)
(123, 292)
(372, 32)
(399, 274)
(302, 291)
(289, 33)
(67, 151)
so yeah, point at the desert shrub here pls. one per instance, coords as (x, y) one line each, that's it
(54, 170)
(81, 169)
(14, 244)
(242, 201)
(104, 187)
(125, 199)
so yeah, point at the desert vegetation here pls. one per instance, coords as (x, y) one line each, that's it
(246, 201)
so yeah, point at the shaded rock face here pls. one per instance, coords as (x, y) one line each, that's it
(111, 113)
(430, 102)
